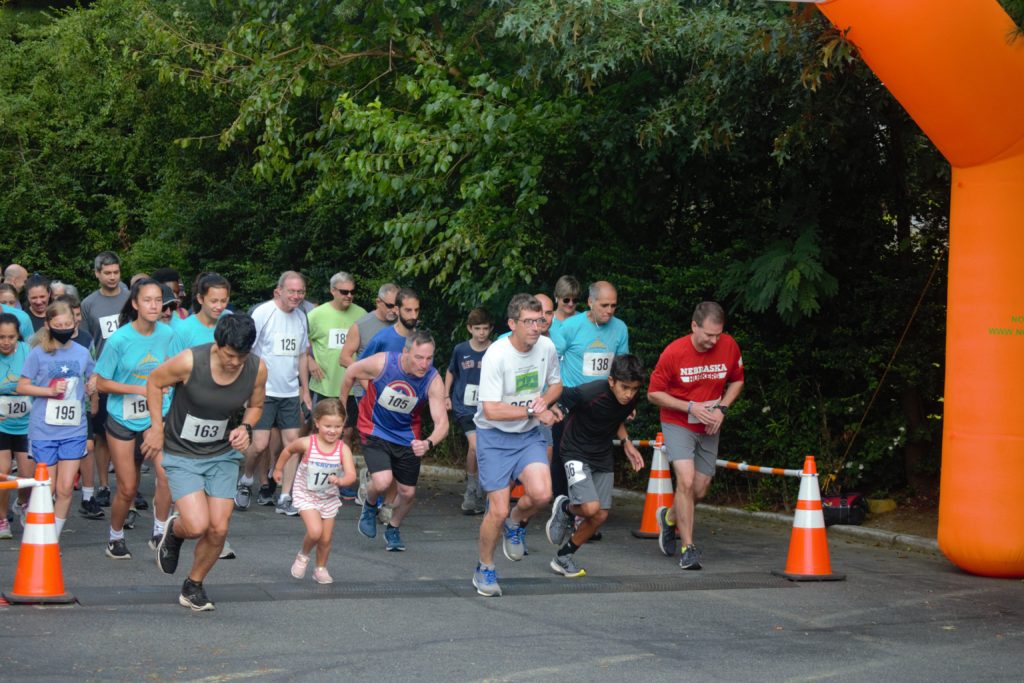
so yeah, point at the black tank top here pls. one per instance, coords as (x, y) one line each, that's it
(197, 423)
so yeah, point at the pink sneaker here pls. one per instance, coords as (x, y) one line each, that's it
(320, 575)
(5, 529)
(300, 565)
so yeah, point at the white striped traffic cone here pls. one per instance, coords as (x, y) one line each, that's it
(808, 546)
(659, 491)
(39, 577)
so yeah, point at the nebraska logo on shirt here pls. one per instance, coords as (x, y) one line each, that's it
(698, 373)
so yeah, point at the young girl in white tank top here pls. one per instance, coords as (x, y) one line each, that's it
(326, 464)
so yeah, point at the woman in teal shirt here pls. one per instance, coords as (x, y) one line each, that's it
(139, 345)
(14, 410)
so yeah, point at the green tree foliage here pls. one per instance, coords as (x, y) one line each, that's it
(732, 150)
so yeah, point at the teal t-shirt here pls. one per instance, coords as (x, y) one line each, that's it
(587, 350)
(128, 357)
(188, 333)
(24, 322)
(14, 410)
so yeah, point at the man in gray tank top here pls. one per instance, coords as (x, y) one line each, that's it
(196, 446)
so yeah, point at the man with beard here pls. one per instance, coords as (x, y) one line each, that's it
(392, 339)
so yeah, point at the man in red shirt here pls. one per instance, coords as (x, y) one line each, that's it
(696, 380)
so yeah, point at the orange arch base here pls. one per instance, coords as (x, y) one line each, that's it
(956, 70)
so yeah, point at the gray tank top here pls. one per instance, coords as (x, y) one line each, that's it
(197, 423)
(368, 325)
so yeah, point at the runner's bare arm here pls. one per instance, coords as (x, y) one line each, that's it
(239, 436)
(172, 371)
(294, 448)
(362, 370)
(348, 468)
(449, 382)
(349, 348)
(439, 415)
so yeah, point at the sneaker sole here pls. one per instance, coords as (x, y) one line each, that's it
(91, 515)
(668, 550)
(395, 550)
(506, 553)
(363, 533)
(548, 528)
(496, 594)
(118, 557)
(185, 602)
(558, 569)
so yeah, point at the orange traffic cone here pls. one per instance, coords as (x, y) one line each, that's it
(659, 491)
(808, 546)
(517, 491)
(39, 577)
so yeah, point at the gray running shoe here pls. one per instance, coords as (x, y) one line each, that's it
(243, 497)
(472, 498)
(559, 525)
(486, 582)
(512, 541)
(384, 512)
(285, 507)
(666, 533)
(131, 518)
(566, 566)
(227, 552)
(690, 559)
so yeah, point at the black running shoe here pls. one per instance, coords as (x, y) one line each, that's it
(118, 550)
(90, 509)
(194, 597)
(140, 502)
(168, 549)
(103, 496)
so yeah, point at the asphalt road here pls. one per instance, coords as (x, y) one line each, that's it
(414, 615)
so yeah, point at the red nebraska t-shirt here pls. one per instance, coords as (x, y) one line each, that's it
(684, 373)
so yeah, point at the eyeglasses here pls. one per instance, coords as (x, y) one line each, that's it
(532, 322)
(345, 292)
(295, 292)
(569, 299)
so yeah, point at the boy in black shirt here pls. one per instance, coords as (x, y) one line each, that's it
(594, 414)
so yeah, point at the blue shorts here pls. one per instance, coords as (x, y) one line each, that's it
(216, 475)
(49, 451)
(502, 456)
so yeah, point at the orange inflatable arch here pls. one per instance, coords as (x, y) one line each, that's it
(956, 68)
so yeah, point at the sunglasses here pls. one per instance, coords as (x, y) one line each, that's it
(387, 305)
(569, 300)
(345, 292)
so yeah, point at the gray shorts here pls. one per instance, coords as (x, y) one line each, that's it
(280, 412)
(216, 475)
(684, 444)
(586, 485)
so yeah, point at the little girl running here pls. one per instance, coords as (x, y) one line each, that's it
(55, 375)
(326, 464)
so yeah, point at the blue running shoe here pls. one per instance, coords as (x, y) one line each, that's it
(394, 539)
(368, 521)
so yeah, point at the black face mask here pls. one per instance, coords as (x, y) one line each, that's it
(61, 336)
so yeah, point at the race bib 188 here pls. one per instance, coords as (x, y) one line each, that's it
(336, 337)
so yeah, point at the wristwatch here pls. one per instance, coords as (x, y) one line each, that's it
(530, 412)
(723, 408)
(430, 444)
(248, 430)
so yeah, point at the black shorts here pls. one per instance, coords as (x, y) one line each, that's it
(281, 412)
(99, 420)
(465, 423)
(16, 443)
(116, 430)
(383, 455)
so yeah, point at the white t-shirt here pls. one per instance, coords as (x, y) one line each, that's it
(281, 338)
(515, 378)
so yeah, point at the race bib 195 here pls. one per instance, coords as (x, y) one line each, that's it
(67, 413)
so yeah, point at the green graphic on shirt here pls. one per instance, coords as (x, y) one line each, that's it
(529, 381)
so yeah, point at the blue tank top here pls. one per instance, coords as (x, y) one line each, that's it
(393, 403)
